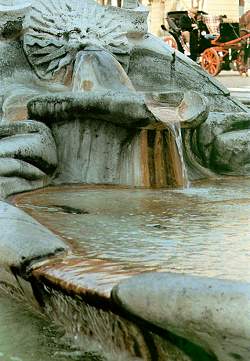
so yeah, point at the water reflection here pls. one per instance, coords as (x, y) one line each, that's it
(203, 230)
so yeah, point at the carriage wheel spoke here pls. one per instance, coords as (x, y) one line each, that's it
(211, 61)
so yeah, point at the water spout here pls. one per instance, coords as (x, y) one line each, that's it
(97, 70)
(176, 131)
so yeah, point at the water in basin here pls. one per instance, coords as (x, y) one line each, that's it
(202, 230)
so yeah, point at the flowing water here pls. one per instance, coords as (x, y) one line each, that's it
(25, 336)
(29, 336)
(201, 230)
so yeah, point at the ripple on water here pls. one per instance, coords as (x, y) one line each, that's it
(203, 230)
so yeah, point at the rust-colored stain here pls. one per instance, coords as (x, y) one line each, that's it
(68, 76)
(174, 161)
(161, 165)
(17, 113)
(160, 168)
(87, 85)
(144, 158)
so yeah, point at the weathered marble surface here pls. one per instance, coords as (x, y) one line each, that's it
(224, 143)
(65, 49)
(128, 110)
(29, 141)
(209, 312)
(28, 156)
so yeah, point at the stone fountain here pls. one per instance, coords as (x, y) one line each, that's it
(88, 96)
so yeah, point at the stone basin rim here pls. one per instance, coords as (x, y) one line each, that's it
(114, 302)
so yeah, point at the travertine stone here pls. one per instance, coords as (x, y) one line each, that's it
(128, 109)
(11, 17)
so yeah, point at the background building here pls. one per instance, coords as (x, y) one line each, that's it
(158, 9)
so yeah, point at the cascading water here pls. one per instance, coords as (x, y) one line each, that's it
(106, 336)
(176, 129)
(175, 126)
(172, 147)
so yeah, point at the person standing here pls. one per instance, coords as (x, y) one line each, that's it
(189, 29)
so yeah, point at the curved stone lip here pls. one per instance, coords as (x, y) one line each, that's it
(121, 108)
(24, 240)
(172, 98)
(193, 110)
(209, 312)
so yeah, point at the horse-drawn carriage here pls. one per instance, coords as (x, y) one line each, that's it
(222, 47)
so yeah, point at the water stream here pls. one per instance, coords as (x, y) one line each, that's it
(176, 129)
(172, 164)
(26, 335)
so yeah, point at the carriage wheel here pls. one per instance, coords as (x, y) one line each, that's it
(170, 40)
(210, 61)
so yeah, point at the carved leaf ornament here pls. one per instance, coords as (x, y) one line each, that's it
(55, 30)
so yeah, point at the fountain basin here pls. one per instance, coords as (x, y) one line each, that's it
(199, 288)
(202, 230)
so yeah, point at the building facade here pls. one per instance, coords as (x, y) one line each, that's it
(158, 9)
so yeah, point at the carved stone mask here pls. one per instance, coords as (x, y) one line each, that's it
(55, 30)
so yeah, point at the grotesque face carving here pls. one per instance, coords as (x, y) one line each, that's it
(54, 31)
